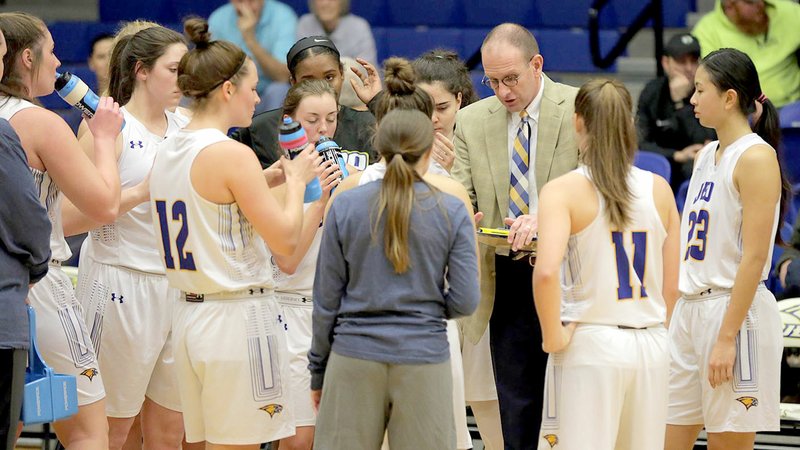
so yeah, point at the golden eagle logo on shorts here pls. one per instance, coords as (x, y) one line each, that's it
(90, 373)
(272, 409)
(551, 439)
(748, 402)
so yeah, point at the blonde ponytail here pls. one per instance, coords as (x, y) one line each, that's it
(403, 138)
(607, 112)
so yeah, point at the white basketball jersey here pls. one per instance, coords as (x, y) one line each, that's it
(612, 277)
(301, 282)
(206, 247)
(711, 226)
(130, 241)
(49, 193)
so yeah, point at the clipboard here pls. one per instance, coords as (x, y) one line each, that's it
(498, 238)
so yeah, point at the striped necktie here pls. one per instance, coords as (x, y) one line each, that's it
(518, 192)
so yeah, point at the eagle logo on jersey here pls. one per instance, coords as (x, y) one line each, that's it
(551, 439)
(90, 373)
(748, 402)
(272, 409)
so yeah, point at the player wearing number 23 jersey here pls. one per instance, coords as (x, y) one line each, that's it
(711, 252)
(711, 227)
(725, 338)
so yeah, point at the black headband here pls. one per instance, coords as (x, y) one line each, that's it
(238, 68)
(306, 43)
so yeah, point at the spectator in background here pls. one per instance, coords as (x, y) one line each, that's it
(24, 257)
(265, 30)
(332, 18)
(766, 30)
(666, 118)
(98, 59)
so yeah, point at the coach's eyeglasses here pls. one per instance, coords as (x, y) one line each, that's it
(510, 80)
(494, 83)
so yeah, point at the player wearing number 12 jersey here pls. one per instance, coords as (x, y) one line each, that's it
(605, 276)
(211, 208)
(725, 334)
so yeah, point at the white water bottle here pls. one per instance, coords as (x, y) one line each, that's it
(77, 93)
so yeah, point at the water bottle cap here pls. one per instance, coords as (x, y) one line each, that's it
(62, 79)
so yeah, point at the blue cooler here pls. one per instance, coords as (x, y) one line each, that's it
(48, 396)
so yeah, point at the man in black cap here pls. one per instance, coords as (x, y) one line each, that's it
(665, 117)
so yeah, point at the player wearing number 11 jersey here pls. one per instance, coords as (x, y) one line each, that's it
(725, 333)
(605, 276)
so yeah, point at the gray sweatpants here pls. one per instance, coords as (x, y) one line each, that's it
(361, 399)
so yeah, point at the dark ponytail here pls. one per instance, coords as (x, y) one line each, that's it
(143, 48)
(729, 68)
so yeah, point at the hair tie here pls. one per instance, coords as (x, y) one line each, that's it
(762, 98)
(233, 74)
(396, 155)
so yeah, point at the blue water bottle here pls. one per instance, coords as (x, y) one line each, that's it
(292, 139)
(77, 93)
(330, 151)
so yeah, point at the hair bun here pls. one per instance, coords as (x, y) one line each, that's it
(399, 76)
(196, 29)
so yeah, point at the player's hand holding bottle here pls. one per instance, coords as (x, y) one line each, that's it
(107, 121)
(304, 167)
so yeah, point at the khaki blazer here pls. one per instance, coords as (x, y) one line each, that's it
(482, 166)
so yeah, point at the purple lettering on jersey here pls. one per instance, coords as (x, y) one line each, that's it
(705, 192)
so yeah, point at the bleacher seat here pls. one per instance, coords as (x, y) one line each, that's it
(455, 13)
(412, 42)
(790, 115)
(790, 153)
(155, 10)
(653, 162)
(442, 13)
(373, 11)
(680, 196)
(472, 39)
(772, 282)
(299, 6)
(185, 8)
(488, 13)
(73, 39)
(161, 11)
(563, 50)
(480, 90)
(568, 50)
